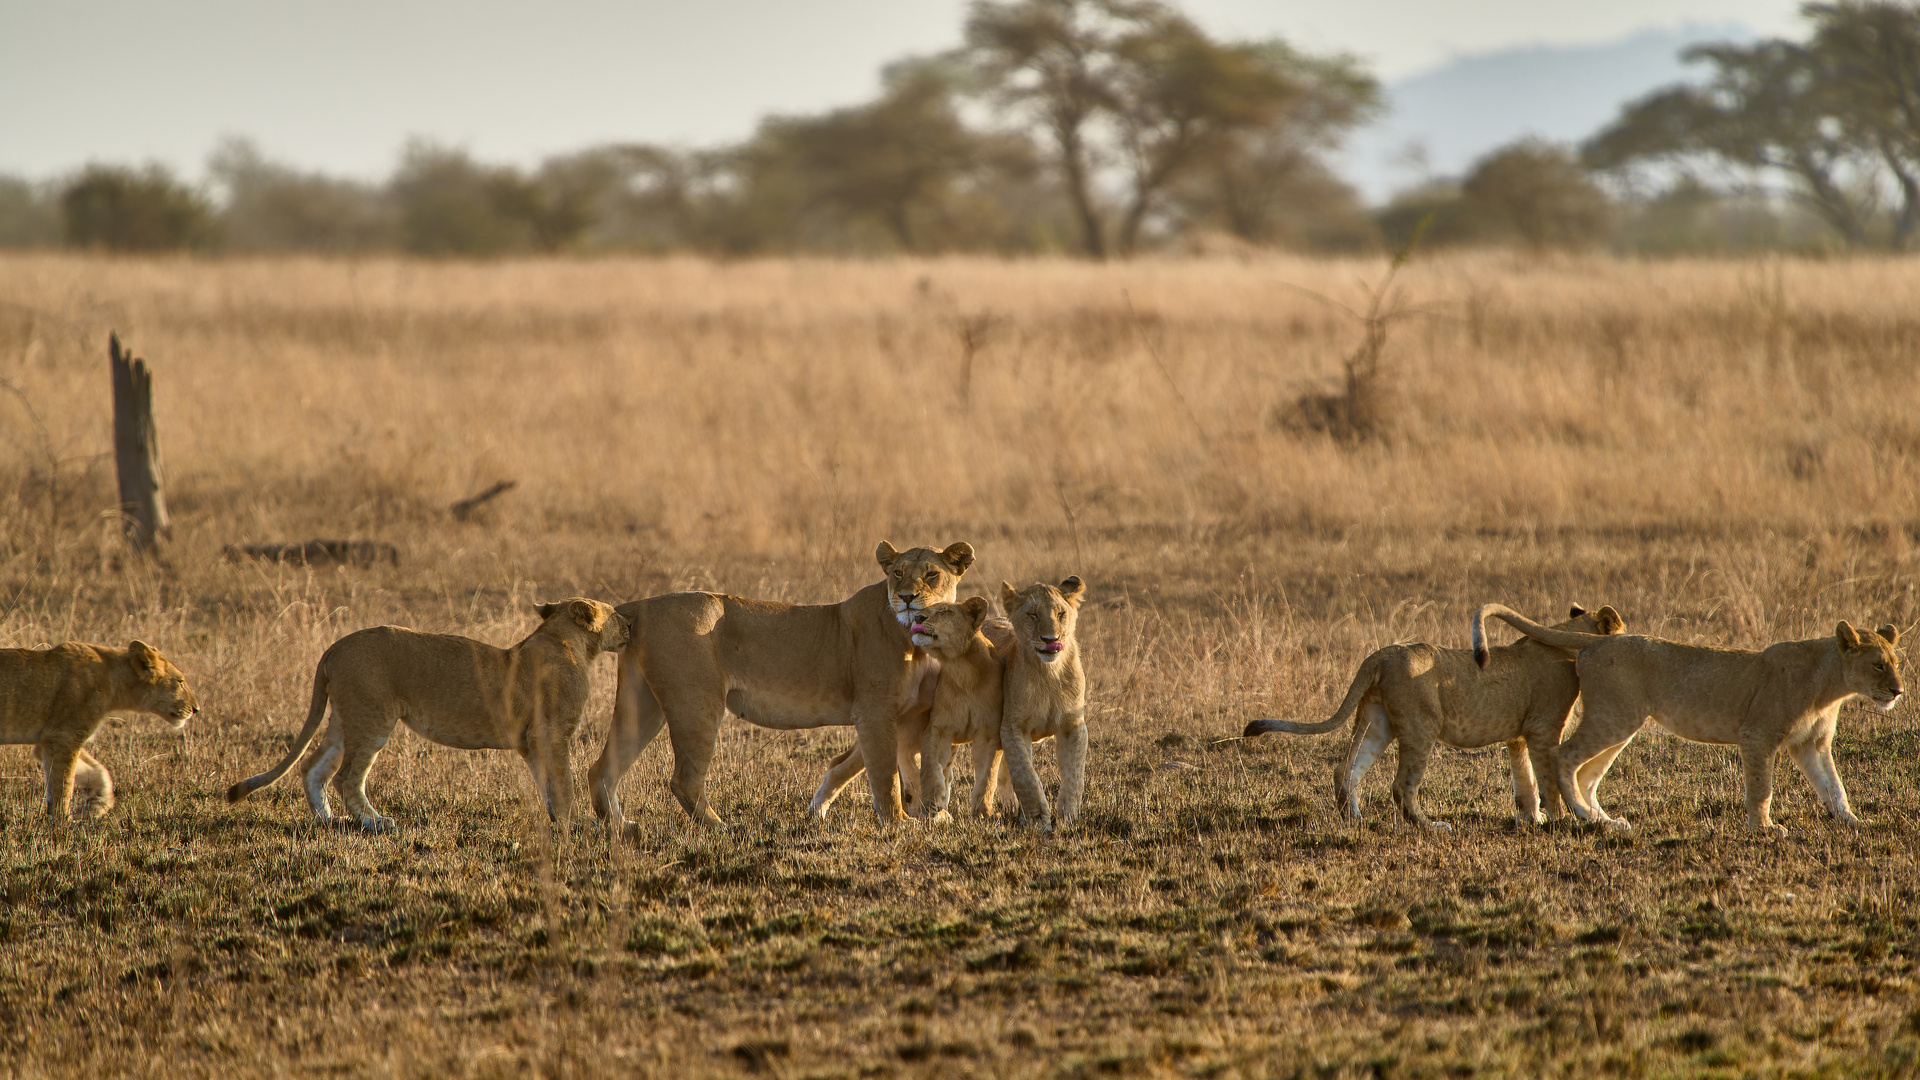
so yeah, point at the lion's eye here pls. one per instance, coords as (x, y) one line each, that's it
(1882, 666)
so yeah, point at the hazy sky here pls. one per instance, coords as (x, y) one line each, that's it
(339, 86)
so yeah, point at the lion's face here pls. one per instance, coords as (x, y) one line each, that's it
(606, 628)
(947, 628)
(1044, 617)
(163, 689)
(919, 578)
(1872, 666)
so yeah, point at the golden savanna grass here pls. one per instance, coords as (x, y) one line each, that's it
(1724, 451)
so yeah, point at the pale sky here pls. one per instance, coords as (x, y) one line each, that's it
(340, 86)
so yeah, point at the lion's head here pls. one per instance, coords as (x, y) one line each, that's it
(1604, 621)
(1043, 616)
(919, 578)
(1872, 667)
(605, 629)
(947, 628)
(161, 688)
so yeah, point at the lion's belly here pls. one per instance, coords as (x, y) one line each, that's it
(788, 710)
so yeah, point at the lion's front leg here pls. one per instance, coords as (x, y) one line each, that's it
(1018, 748)
(1073, 771)
(1815, 759)
(936, 751)
(879, 745)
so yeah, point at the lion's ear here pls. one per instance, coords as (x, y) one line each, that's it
(976, 607)
(959, 556)
(591, 617)
(1609, 620)
(1576, 611)
(1073, 590)
(1009, 598)
(545, 611)
(885, 554)
(143, 656)
(1849, 637)
(1890, 633)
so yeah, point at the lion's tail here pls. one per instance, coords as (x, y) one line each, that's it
(315, 713)
(1570, 640)
(1363, 680)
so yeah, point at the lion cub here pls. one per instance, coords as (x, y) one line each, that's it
(56, 698)
(455, 691)
(966, 705)
(1422, 695)
(1045, 696)
(1786, 696)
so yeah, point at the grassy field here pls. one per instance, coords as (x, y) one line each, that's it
(1725, 452)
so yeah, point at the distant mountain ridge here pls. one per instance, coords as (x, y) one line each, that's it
(1470, 105)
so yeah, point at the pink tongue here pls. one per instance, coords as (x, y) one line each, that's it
(1052, 647)
(918, 628)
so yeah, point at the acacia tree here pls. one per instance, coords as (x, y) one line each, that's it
(1272, 181)
(1133, 93)
(900, 160)
(1837, 115)
(1540, 192)
(1054, 61)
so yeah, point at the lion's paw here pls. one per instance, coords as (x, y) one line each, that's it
(378, 824)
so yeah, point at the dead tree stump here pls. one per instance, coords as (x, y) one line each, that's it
(136, 448)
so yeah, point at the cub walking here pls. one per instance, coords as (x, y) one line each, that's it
(1045, 697)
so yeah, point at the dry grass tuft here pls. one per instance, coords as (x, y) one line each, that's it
(1723, 454)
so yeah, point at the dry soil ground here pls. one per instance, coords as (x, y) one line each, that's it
(1725, 452)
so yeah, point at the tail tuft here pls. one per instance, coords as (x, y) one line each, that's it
(1480, 654)
(238, 791)
(1257, 727)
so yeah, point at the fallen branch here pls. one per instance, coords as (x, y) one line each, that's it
(465, 507)
(318, 552)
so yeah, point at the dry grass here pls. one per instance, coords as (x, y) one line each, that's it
(1725, 452)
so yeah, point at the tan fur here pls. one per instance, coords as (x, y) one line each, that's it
(697, 656)
(455, 691)
(56, 698)
(1787, 695)
(971, 650)
(1422, 695)
(1045, 698)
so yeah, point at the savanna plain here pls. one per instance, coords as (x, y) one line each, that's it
(1726, 452)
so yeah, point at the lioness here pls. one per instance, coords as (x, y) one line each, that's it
(971, 651)
(1422, 694)
(1786, 695)
(1045, 696)
(56, 698)
(457, 692)
(696, 656)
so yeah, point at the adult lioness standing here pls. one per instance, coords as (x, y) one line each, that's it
(696, 656)
(1786, 696)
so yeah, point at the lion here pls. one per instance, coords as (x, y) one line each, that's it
(1045, 696)
(971, 651)
(55, 698)
(1787, 695)
(455, 691)
(696, 656)
(1420, 695)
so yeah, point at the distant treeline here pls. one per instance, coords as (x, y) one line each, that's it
(1102, 128)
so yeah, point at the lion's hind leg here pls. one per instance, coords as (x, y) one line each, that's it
(57, 761)
(1526, 792)
(1372, 731)
(693, 725)
(637, 719)
(92, 787)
